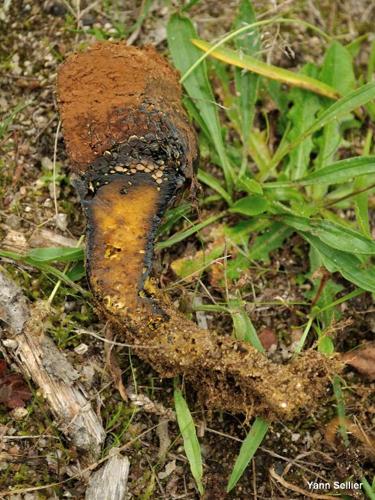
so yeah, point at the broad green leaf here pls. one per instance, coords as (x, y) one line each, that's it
(250, 205)
(248, 448)
(327, 297)
(180, 31)
(337, 70)
(340, 171)
(53, 254)
(261, 68)
(272, 239)
(328, 143)
(77, 272)
(250, 185)
(325, 345)
(334, 235)
(346, 264)
(243, 327)
(236, 267)
(291, 194)
(301, 116)
(246, 82)
(191, 443)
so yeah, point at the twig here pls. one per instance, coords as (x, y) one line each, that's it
(290, 486)
(54, 167)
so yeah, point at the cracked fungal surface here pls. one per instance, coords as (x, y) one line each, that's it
(132, 148)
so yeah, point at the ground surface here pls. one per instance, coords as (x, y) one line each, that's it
(35, 38)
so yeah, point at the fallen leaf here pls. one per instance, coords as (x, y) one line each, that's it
(113, 365)
(362, 359)
(355, 429)
(13, 390)
(267, 338)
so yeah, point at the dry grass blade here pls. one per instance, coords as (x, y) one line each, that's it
(261, 68)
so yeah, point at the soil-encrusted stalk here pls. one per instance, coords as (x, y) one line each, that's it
(132, 148)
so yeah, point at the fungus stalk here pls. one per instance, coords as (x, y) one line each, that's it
(131, 150)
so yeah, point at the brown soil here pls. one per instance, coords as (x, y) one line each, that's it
(115, 94)
(97, 89)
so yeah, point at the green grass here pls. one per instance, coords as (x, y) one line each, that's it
(302, 182)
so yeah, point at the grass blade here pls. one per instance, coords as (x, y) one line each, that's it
(337, 110)
(191, 443)
(261, 68)
(368, 489)
(248, 448)
(336, 173)
(337, 390)
(176, 238)
(214, 184)
(53, 254)
(361, 201)
(247, 27)
(345, 105)
(44, 268)
(7, 121)
(180, 31)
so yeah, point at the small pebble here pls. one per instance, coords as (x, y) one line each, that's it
(81, 348)
(119, 168)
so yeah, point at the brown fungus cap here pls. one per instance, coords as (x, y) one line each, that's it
(112, 91)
